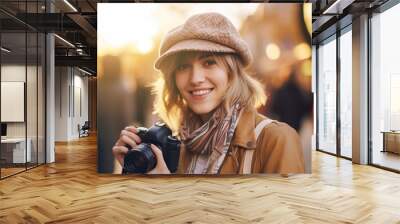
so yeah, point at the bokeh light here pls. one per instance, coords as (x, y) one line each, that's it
(272, 51)
(302, 51)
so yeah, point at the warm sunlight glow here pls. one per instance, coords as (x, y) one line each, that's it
(272, 51)
(121, 26)
(144, 46)
(139, 27)
(307, 12)
(306, 68)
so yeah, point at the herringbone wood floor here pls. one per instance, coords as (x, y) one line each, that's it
(70, 191)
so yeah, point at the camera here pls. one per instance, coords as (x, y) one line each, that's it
(141, 159)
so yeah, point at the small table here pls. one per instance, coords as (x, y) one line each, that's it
(391, 141)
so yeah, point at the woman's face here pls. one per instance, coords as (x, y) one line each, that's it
(202, 83)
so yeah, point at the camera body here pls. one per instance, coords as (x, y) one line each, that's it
(141, 159)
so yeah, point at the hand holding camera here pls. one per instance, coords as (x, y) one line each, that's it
(142, 150)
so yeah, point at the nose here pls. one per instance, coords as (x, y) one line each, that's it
(198, 75)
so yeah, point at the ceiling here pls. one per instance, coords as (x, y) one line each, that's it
(76, 22)
(332, 15)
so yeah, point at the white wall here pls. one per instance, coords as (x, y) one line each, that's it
(71, 93)
(61, 103)
(80, 110)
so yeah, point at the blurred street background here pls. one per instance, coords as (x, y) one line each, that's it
(129, 36)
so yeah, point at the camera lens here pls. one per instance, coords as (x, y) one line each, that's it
(140, 159)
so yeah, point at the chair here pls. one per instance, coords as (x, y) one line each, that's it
(84, 130)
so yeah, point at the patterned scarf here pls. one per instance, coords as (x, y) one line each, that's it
(209, 142)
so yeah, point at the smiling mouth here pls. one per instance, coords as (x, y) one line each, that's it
(201, 92)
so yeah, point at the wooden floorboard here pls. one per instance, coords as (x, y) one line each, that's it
(71, 191)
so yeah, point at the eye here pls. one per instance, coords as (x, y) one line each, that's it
(210, 62)
(182, 67)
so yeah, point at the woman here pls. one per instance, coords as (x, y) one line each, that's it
(207, 99)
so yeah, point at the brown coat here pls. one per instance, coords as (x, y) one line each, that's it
(278, 148)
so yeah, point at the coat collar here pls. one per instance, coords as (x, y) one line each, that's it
(244, 133)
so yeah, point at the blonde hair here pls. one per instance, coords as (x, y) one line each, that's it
(170, 106)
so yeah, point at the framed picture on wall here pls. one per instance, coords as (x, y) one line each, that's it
(184, 89)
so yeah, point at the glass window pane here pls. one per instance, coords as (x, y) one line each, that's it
(31, 87)
(385, 86)
(327, 97)
(41, 98)
(346, 94)
(31, 97)
(23, 89)
(13, 86)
